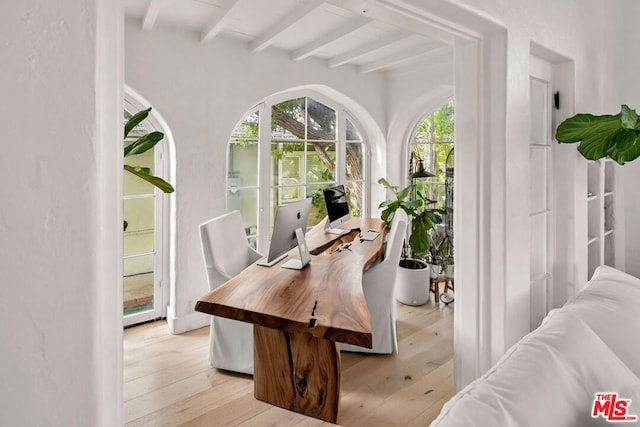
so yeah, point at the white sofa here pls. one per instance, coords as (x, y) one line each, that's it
(551, 376)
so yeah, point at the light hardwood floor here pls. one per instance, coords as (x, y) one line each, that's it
(168, 380)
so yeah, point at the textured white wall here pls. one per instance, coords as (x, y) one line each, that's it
(628, 92)
(579, 30)
(61, 334)
(203, 90)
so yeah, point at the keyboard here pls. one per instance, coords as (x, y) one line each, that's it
(369, 235)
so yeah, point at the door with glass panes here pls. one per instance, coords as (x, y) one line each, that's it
(142, 228)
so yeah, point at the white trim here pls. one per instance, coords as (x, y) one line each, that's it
(186, 323)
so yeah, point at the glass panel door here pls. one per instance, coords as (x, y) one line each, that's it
(142, 298)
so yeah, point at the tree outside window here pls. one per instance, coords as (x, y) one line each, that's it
(312, 146)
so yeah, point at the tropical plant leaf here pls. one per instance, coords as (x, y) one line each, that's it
(628, 117)
(154, 180)
(625, 147)
(135, 120)
(615, 136)
(420, 240)
(595, 146)
(143, 144)
(386, 185)
(581, 126)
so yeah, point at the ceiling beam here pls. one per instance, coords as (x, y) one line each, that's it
(366, 49)
(219, 20)
(150, 15)
(268, 37)
(334, 35)
(384, 11)
(400, 57)
(435, 58)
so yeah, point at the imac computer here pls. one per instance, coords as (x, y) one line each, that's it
(288, 232)
(335, 198)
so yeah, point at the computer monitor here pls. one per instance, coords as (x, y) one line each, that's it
(335, 199)
(288, 232)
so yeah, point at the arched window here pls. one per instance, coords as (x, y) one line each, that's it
(287, 150)
(432, 143)
(432, 147)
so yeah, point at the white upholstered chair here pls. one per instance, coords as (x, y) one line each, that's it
(378, 283)
(226, 253)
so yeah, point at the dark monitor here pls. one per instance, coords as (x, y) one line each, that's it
(335, 199)
(288, 232)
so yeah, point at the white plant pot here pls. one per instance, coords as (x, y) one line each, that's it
(448, 271)
(412, 285)
(436, 270)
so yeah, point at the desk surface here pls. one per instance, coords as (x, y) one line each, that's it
(330, 287)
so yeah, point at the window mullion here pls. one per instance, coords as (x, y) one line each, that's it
(341, 147)
(264, 177)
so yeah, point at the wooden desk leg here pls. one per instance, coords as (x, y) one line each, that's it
(297, 371)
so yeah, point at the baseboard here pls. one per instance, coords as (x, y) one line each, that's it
(189, 322)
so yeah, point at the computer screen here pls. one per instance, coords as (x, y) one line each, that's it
(283, 238)
(335, 199)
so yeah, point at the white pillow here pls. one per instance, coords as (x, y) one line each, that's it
(610, 305)
(549, 378)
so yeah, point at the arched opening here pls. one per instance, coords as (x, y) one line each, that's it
(147, 229)
(431, 147)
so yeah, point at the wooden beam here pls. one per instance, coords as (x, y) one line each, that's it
(267, 38)
(150, 15)
(366, 49)
(400, 57)
(219, 21)
(396, 14)
(332, 36)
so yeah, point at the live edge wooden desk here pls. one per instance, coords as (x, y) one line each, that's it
(299, 317)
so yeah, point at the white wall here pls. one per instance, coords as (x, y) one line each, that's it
(581, 31)
(410, 97)
(60, 216)
(202, 90)
(628, 92)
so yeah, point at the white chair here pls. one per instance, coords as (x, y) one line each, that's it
(378, 283)
(226, 253)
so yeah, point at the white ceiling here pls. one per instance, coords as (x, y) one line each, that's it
(366, 34)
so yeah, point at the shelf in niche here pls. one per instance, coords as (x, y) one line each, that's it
(608, 193)
(592, 239)
(608, 232)
(592, 197)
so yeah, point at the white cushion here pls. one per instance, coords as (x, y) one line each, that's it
(610, 305)
(549, 378)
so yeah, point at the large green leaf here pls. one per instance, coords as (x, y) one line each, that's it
(580, 126)
(420, 240)
(154, 180)
(615, 136)
(626, 146)
(628, 117)
(596, 144)
(144, 143)
(134, 120)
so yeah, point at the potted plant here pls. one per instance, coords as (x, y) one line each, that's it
(438, 257)
(412, 285)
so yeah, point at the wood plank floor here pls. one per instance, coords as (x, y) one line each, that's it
(168, 380)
